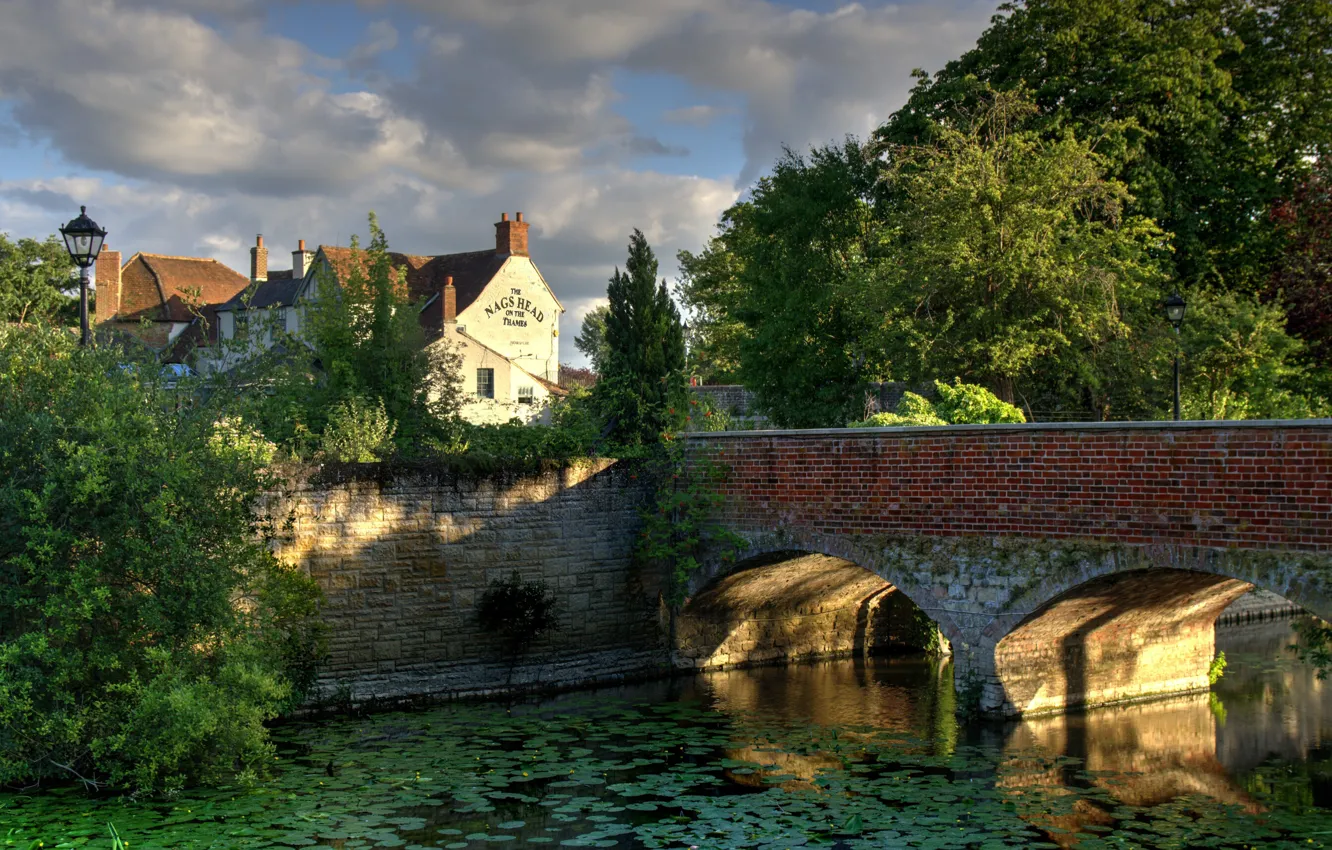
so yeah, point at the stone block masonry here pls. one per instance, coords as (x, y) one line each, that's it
(403, 556)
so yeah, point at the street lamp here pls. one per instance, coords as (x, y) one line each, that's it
(83, 240)
(1174, 310)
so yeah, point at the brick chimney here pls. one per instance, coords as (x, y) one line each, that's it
(300, 261)
(259, 260)
(107, 276)
(450, 296)
(511, 236)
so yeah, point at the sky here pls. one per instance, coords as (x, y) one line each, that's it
(189, 126)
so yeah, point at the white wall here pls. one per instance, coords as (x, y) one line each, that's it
(519, 317)
(509, 379)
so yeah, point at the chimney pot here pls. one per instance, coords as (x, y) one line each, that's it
(504, 216)
(520, 217)
(259, 241)
(300, 245)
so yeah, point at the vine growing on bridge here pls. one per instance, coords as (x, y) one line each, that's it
(679, 526)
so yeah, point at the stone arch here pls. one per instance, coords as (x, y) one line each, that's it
(853, 548)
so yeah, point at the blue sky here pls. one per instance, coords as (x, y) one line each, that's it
(189, 126)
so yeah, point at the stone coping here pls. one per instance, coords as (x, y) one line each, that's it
(1003, 428)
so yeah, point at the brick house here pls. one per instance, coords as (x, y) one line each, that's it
(162, 301)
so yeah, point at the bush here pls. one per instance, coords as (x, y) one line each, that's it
(518, 612)
(705, 415)
(146, 631)
(958, 404)
(358, 432)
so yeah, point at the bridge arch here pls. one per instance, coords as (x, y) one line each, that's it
(1039, 626)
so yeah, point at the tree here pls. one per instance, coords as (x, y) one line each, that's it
(1302, 280)
(369, 354)
(1007, 252)
(809, 235)
(591, 339)
(35, 278)
(642, 393)
(710, 287)
(146, 630)
(1210, 109)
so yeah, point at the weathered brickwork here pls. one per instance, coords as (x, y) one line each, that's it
(1229, 484)
(1008, 537)
(403, 557)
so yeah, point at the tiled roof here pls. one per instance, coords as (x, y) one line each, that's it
(278, 291)
(471, 271)
(163, 288)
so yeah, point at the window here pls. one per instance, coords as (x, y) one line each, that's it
(485, 383)
(524, 395)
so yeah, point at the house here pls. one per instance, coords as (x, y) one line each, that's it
(492, 306)
(163, 301)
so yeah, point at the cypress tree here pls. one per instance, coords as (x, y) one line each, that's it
(642, 393)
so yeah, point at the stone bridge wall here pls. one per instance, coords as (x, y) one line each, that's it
(403, 556)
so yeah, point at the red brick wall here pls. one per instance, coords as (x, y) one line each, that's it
(1229, 484)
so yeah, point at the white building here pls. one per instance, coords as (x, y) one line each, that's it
(493, 306)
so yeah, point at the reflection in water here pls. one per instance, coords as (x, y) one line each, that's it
(1267, 707)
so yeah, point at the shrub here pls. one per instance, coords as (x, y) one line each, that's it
(358, 432)
(958, 404)
(518, 612)
(146, 631)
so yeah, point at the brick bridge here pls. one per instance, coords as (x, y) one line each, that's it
(1068, 565)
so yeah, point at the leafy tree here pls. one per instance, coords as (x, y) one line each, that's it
(710, 287)
(146, 630)
(642, 393)
(366, 347)
(1240, 363)
(1007, 252)
(1209, 109)
(591, 339)
(1302, 280)
(808, 239)
(35, 278)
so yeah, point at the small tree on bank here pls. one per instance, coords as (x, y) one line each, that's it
(642, 393)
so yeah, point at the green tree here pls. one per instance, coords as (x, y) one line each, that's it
(642, 393)
(1007, 252)
(710, 287)
(956, 404)
(35, 279)
(591, 339)
(367, 350)
(808, 239)
(1210, 110)
(146, 630)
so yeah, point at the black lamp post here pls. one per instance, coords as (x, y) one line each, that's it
(1174, 310)
(83, 240)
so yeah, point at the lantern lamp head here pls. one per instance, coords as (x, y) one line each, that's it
(83, 239)
(1174, 310)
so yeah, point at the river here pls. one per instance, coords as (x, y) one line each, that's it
(843, 754)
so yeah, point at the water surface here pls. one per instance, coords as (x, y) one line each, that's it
(847, 754)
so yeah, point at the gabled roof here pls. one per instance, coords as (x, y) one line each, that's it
(162, 288)
(471, 271)
(279, 290)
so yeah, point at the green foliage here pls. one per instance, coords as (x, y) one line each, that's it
(519, 612)
(1209, 111)
(710, 288)
(146, 630)
(804, 241)
(361, 349)
(958, 404)
(1314, 646)
(1239, 362)
(970, 404)
(641, 394)
(1008, 252)
(680, 526)
(706, 415)
(591, 339)
(358, 432)
(35, 278)
(1216, 669)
